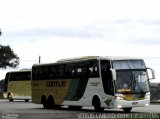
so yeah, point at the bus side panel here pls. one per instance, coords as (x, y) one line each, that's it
(69, 89)
(56, 88)
(76, 89)
(93, 87)
(20, 89)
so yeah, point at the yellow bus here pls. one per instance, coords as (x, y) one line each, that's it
(101, 82)
(17, 85)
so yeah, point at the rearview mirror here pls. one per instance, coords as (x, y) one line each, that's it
(113, 74)
(151, 72)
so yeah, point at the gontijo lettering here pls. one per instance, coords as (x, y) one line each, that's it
(56, 83)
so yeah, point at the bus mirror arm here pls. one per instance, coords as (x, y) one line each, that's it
(113, 71)
(152, 72)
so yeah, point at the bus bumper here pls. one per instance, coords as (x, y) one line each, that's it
(125, 104)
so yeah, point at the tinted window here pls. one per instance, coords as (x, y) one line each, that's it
(66, 71)
(129, 64)
(93, 69)
(19, 76)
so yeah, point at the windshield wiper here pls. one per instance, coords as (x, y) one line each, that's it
(133, 82)
(141, 90)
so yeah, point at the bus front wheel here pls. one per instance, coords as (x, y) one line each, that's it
(97, 104)
(26, 100)
(127, 109)
(10, 97)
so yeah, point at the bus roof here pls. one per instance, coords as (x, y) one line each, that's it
(120, 58)
(67, 60)
(21, 70)
(78, 58)
(98, 57)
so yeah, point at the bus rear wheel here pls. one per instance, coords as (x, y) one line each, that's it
(44, 102)
(51, 104)
(127, 109)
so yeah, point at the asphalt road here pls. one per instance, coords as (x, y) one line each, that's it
(29, 110)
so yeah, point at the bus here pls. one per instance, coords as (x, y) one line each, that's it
(92, 81)
(17, 85)
(1, 88)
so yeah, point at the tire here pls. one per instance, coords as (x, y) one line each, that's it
(44, 102)
(127, 110)
(97, 105)
(50, 102)
(26, 100)
(10, 97)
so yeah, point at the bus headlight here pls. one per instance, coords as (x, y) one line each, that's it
(119, 106)
(119, 98)
(146, 104)
(147, 96)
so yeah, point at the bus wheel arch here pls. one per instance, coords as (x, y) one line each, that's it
(96, 103)
(44, 101)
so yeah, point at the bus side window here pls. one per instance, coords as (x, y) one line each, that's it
(74, 72)
(67, 71)
(80, 70)
(12, 77)
(45, 73)
(60, 71)
(52, 72)
(93, 69)
(56, 75)
(29, 76)
(35, 73)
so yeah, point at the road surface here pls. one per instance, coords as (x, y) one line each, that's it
(29, 110)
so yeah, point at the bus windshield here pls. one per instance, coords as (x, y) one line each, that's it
(131, 76)
(134, 81)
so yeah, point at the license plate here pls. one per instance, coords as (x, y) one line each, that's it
(134, 103)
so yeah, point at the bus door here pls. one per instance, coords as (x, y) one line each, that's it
(107, 81)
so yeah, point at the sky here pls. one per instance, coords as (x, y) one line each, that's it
(57, 29)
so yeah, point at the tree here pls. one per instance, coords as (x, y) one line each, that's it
(8, 58)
